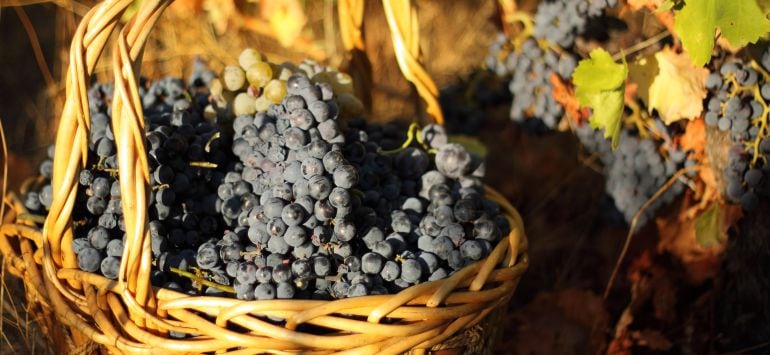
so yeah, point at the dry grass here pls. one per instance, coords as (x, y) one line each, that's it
(21, 322)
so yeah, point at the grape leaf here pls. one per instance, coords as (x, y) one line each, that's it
(600, 84)
(677, 92)
(696, 25)
(708, 227)
(739, 21)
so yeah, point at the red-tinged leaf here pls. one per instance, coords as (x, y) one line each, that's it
(564, 94)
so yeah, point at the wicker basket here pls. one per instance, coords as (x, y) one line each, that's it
(128, 315)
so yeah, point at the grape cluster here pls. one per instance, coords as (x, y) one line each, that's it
(538, 57)
(339, 213)
(186, 162)
(530, 68)
(738, 96)
(635, 171)
(291, 183)
(561, 21)
(282, 200)
(425, 217)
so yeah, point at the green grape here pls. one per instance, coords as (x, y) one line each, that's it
(259, 74)
(244, 104)
(248, 57)
(234, 78)
(262, 104)
(275, 91)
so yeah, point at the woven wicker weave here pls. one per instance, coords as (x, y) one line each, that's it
(128, 315)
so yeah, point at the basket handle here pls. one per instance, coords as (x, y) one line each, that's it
(405, 33)
(358, 66)
(133, 168)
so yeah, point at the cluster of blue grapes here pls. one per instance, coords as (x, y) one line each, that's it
(291, 183)
(180, 214)
(561, 21)
(37, 200)
(536, 59)
(736, 105)
(328, 215)
(422, 218)
(530, 68)
(292, 204)
(635, 171)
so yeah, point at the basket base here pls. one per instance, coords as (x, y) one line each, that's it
(479, 339)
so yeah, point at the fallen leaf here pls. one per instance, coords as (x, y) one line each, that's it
(708, 227)
(651, 283)
(678, 90)
(677, 236)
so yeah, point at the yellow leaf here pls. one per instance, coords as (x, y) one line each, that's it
(677, 92)
(286, 19)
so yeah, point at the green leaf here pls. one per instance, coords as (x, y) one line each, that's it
(739, 21)
(708, 227)
(600, 84)
(472, 144)
(696, 26)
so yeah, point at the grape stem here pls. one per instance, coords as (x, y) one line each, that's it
(214, 137)
(526, 21)
(203, 164)
(641, 45)
(201, 280)
(411, 135)
(760, 120)
(161, 186)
